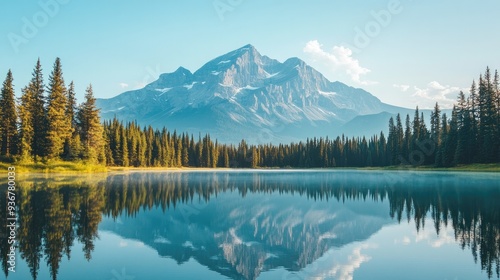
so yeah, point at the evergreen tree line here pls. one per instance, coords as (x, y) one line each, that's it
(46, 123)
(53, 127)
(470, 135)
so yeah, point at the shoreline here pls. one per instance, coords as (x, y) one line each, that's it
(77, 168)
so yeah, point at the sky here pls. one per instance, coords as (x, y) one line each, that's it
(405, 52)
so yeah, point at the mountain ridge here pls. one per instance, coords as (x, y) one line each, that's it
(245, 95)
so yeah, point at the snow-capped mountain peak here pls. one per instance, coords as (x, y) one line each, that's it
(241, 93)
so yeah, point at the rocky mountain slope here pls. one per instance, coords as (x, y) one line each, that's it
(243, 94)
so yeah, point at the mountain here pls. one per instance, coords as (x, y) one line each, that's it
(243, 94)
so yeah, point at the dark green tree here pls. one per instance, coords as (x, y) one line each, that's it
(451, 141)
(407, 137)
(8, 118)
(26, 129)
(38, 113)
(399, 138)
(72, 145)
(436, 125)
(91, 131)
(392, 143)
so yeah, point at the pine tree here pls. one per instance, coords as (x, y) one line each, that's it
(255, 158)
(487, 118)
(38, 113)
(124, 147)
(141, 149)
(72, 145)
(392, 143)
(91, 131)
(449, 158)
(425, 143)
(165, 149)
(107, 147)
(26, 130)
(407, 137)
(436, 125)
(226, 158)
(435, 135)
(133, 144)
(185, 150)
(178, 153)
(149, 145)
(59, 123)
(463, 128)
(473, 111)
(158, 150)
(399, 138)
(115, 141)
(8, 118)
(215, 155)
(416, 137)
(199, 153)
(71, 105)
(440, 159)
(496, 100)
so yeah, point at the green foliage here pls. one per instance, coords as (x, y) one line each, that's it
(8, 118)
(90, 128)
(36, 89)
(26, 126)
(59, 123)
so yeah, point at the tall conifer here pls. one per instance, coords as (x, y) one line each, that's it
(91, 131)
(8, 118)
(59, 123)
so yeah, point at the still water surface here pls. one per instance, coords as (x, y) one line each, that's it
(309, 224)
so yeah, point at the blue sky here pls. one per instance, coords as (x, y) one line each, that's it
(404, 52)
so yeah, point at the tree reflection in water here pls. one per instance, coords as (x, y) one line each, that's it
(52, 214)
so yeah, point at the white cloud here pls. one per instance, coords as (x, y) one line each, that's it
(340, 59)
(123, 85)
(422, 235)
(405, 241)
(446, 236)
(401, 87)
(444, 95)
(346, 271)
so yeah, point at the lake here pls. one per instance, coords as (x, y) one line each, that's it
(247, 224)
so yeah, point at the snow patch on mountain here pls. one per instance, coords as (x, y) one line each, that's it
(237, 118)
(114, 110)
(327, 93)
(246, 87)
(163, 90)
(190, 86)
(270, 75)
(224, 85)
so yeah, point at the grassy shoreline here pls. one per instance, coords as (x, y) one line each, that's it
(86, 168)
(77, 167)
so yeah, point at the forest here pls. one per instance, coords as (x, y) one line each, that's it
(46, 124)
